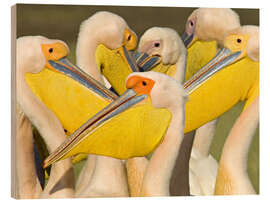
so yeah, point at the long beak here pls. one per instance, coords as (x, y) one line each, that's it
(125, 101)
(69, 69)
(128, 56)
(146, 62)
(139, 62)
(187, 39)
(222, 59)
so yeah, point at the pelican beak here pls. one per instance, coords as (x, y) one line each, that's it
(128, 99)
(67, 68)
(222, 59)
(129, 58)
(140, 61)
(188, 39)
(130, 43)
(146, 62)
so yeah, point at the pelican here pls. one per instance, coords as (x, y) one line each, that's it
(31, 58)
(236, 147)
(144, 86)
(166, 93)
(243, 75)
(204, 32)
(99, 48)
(100, 44)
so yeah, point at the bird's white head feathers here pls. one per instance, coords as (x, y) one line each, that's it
(253, 46)
(164, 42)
(102, 24)
(29, 55)
(212, 23)
(166, 92)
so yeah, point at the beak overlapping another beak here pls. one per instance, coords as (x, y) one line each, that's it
(222, 59)
(139, 61)
(67, 68)
(129, 58)
(128, 99)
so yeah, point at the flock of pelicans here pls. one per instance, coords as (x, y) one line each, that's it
(169, 87)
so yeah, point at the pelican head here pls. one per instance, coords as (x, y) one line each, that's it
(161, 89)
(208, 24)
(110, 25)
(37, 54)
(239, 43)
(103, 43)
(44, 50)
(165, 43)
(244, 39)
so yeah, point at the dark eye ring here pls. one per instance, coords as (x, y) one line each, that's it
(144, 83)
(239, 40)
(157, 44)
(51, 50)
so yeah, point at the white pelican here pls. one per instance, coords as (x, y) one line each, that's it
(236, 147)
(166, 93)
(102, 176)
(239, 81)
(142, 86)
(204, 32)
(32, 59)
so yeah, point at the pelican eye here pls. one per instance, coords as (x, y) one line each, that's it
(144, 83)
(157, 44)
(129, 38)
(191, 23)
(239, 40)
(51, 50)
